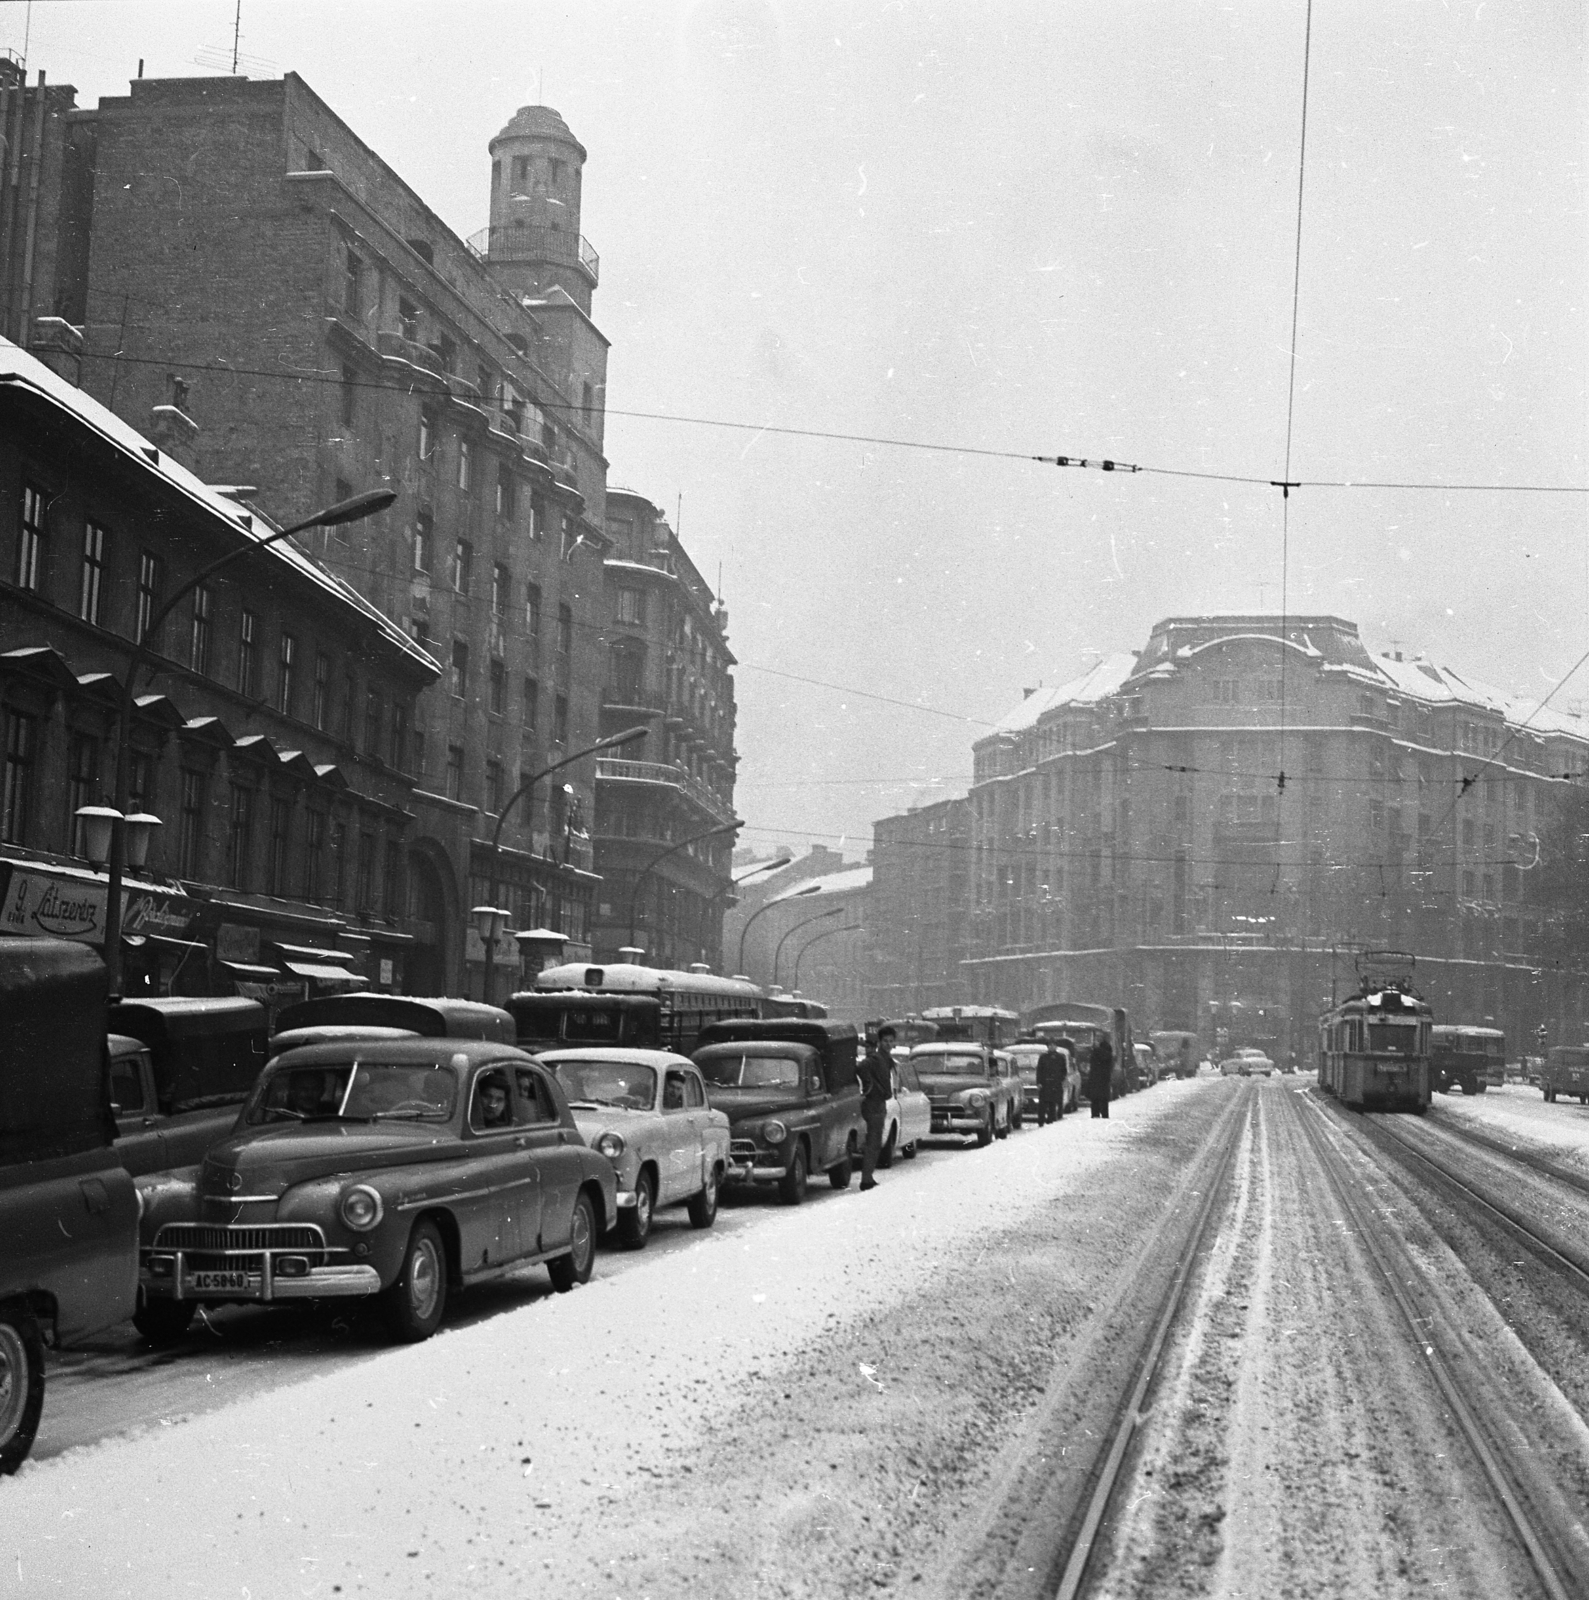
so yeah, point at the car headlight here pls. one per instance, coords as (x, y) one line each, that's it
(361, 1207)
(611, 1145)
(774, 1132)
(977, 1099)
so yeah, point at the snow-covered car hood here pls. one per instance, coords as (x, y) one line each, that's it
(271, 1160)
(739, 1104)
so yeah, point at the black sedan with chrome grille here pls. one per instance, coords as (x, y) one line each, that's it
(388, 1168)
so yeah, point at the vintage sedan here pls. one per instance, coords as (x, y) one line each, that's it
(970, 1095)
(907, 1117)
(646, 1111)
(385, 1169)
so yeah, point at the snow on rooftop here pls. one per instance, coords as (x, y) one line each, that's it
(832, 883)
(1097, 684)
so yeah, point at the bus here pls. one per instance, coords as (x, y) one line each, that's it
(628, 1005)
(1470, 1059)
(989, 1025)
(1084, 1024)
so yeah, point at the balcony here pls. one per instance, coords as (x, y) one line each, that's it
(409, 350)
(661, 772)
(527, 242)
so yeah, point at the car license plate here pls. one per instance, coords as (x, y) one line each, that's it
(217, 1280)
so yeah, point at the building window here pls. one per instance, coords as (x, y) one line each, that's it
(314, 843)
(365, 884)
(424, 541)
(284, 671)
(499, 688)
(398, 751)
(465, 465)
(460, 669)
(372, 723)
(247, 656)
(507, 492)
(537, 517)
(392, 879)
(93, 573)
(151, 577)
(570, 538)
(632, 607)
(455, 772)
(350, 392)
(532, 615)
(417, 755)
(427, 433)
(446, 353)
(30, 537)
(322, 690)
(462, 566)
(190, 825)
(350, 701)
(276, 865)
(339, 857)
(565, 631)
(352, 284)
(199, 636)
(140, 786)
(532, 704)
(239, 835)
(494, 787)
(82, 787)
(560, 719)
(627, 670)
(587, 403)
(408, 320)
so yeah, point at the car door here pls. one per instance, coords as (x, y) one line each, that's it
(140, 1142)
(679, 1155)
(710, 1130)
(496, 1181)
(915, 1112)
(558, 1156)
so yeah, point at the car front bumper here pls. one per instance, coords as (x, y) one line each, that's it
(949, 1122)
(167, 1275)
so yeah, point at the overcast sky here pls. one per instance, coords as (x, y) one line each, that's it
(1045, 228)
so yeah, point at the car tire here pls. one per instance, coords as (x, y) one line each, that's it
(985, 1134)
(792, 1185)
(634, 1224)
(1018, 1120)
(703, 1203)
(163, 1322)
(840, 1175)
(417, 1297)
(908, 1151)
(21, 1385)
(885, 1156)
(577, 1265)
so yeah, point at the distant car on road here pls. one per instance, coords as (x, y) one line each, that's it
(970, 1096)
(1233, 1067)
(385, 1169)
(1257, 1064)
(1026, 1054)
(646, 1111)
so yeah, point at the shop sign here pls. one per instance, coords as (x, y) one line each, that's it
(147, 911)
(236, 941)
(65, 908)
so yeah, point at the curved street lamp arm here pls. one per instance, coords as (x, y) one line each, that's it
(766, 905)
(828, 933)
(694, 838)
(837, 911)
(534, 778)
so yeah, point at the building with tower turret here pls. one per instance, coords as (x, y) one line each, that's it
(254, 281)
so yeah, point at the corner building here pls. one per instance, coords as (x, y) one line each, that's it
(237, 256)
(1131, 839)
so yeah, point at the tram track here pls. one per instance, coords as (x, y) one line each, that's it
(1544, 1519)
(1531, 1159)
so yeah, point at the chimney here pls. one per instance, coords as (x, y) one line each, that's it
(170, 426)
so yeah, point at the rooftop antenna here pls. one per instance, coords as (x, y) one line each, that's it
(237, 33)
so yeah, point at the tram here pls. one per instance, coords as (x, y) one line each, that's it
(624, 1003)
(1374, 1047)
(989, 1025)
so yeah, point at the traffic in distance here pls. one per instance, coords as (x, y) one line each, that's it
(392, 1150)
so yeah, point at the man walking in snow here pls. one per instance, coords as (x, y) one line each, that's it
(1100, 1076)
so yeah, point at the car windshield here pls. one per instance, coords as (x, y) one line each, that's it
(607, 1083)
(951, 1065)
(748, 1070)
(355, 1091)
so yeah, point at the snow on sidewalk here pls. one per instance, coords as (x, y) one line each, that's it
(444, 1464)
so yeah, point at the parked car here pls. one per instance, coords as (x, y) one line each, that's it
(388, 1016)
(1258, 1065)
(179, 1071)
(68, 1210)
(1026, 1053)
(1233, 1067)
(788, 1088)
(1009, 1069)
(907, 1118)
(647, 1112)
(388, 1169)
(970, 1097)
(1566, 1072)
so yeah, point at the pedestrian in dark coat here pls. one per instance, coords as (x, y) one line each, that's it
(1100, 1076)
(1052, 1069)
(876, 1076)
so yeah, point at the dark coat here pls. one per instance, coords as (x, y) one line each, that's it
(1052, 1070)
(876, 1080)
(1100, 1070)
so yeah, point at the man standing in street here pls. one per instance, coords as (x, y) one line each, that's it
(877, 1084)
(1100, 1075)
(1052, 1069)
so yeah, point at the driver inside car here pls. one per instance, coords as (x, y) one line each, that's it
(492, 1109)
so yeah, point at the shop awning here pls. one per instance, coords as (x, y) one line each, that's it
(250, 973)
(322, 973)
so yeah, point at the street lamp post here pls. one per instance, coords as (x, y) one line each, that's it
(837, 911)
(626, 737)
(354, 509)
(810, 888)
(645, 871)
(706, 912)
(830, 933)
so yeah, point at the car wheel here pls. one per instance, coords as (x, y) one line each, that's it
(908, 1151)
(985, 1134)
(163, 1321)
(634, 1224)
(576, 1266)
(792, 1185)
(1018, 1121)
(703, 1205)
(839, 1176)
(417, 1297)
(21, 1386)
(885, 1156)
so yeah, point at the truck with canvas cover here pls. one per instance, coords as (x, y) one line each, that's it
(68, 1210)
